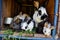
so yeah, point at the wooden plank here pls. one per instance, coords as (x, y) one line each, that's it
(55, 17)
(59, 8)
(6, 8)
(51, 18)
(59, 18)
(0, 14)
(59, 29)
(29, 38)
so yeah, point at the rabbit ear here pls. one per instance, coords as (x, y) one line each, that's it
(46, 24)
(45, 3)
(52, 27)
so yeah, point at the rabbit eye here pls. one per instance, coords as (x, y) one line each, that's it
(39, 12)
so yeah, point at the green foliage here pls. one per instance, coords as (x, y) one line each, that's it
(9, 32)
(27, 32)
(6, 38)
(20, 33)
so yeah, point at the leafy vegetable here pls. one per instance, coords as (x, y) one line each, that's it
(9, 32)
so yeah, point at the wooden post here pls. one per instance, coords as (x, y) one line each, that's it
(55, 17)
(0, 14)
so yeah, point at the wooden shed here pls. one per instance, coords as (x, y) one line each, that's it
(11, 8)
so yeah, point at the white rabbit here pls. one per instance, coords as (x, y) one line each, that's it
(47, 29)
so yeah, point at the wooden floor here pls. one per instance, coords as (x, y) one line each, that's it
(29, 35)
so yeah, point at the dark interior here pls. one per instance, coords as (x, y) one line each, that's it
(11, 8)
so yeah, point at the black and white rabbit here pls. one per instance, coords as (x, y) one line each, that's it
(19, 19)
(47, 29)
(27, 25)
(40, 16)
(26, 22)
